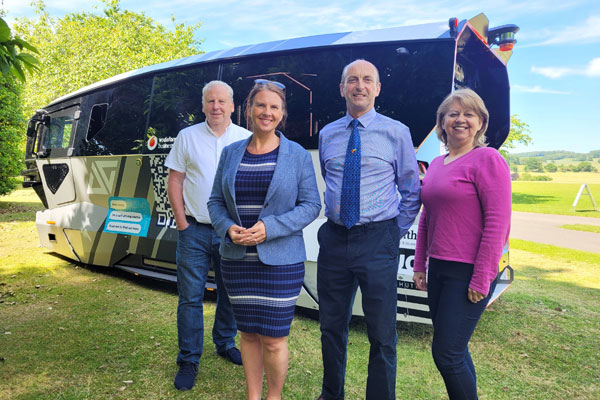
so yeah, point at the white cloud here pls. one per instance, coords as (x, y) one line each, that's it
(583, 33)
(536, 89)
(592, 70)
(552, 72)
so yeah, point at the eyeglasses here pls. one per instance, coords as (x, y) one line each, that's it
(266, 82)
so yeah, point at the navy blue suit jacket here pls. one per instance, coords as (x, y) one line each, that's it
(292, 202)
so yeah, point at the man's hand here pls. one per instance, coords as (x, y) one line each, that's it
(258, 234)
(420, 279)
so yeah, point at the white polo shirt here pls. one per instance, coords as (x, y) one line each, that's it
(196, 152)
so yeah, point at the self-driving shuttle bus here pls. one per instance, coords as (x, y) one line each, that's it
(95, 157)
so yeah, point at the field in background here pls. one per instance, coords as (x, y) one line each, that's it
(554, 198)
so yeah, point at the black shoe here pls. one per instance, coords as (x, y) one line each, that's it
(184, 380)
(232, 354)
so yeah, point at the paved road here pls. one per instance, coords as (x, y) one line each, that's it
(545, 228)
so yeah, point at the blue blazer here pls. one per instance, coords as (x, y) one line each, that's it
(292, 202)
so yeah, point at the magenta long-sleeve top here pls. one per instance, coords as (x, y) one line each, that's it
(466, 214)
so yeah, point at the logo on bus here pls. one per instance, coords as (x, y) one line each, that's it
(102, 177)
(152, 143)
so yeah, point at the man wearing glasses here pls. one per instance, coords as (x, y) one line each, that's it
(366, 160)
(192, 164)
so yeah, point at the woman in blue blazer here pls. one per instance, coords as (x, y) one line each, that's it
(264, 194)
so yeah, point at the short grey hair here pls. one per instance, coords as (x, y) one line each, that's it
(214, 83)
(347, 67)
(469, 100)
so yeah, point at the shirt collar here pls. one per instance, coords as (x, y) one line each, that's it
(209, 129)
(364, 119)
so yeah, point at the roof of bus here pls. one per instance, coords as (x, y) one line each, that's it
(436, 30)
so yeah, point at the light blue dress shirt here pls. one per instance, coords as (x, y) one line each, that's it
(388, 167)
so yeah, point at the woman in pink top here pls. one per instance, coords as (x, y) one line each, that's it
(464, 226)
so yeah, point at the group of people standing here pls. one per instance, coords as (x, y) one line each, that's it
(241, 200)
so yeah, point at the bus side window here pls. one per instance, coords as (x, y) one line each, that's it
(176, 104)
(97, 120)
(117, 117)
(57, 136)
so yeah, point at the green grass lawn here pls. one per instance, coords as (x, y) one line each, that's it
(583, 228)
(73, 332)
(554, 198)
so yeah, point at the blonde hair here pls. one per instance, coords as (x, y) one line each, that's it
(469, 100)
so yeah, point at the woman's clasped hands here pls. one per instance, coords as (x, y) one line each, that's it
(248, 236)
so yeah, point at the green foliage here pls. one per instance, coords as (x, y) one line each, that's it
(558, 155)
(13, 60)
(82, 48)
(11, 128)
(528, 177)
(551, 167)
(533, 165)
(585, 166)
(519, 133)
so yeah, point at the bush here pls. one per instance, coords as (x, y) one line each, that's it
(12, 128)
(528, 177)
(551, 167)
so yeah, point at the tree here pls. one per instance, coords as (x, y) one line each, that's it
(82, 48)
(13, 64)
(519, 133)
(533, 165)
(11, 133)
(13, 60)
(585, 166)
(551, 167)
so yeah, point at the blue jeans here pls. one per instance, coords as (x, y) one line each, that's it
(197, 250)
(365, 256)
(454, 319)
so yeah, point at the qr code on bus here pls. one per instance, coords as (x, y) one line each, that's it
(160, 175)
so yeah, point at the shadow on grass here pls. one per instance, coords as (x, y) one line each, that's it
(524, 198)
(12, 211)
(357, 323)
(146, 282)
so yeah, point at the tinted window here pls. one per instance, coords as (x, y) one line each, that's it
(176, 104)
(124, 109)
(415, 77)
(312, 88)
(97, 120)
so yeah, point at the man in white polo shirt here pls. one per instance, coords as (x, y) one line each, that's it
(192, 165)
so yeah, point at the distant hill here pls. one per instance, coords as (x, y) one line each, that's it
(557, 155)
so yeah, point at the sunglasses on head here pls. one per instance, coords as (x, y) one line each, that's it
(266, 82)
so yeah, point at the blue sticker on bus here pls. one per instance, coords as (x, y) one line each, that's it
(128, 216)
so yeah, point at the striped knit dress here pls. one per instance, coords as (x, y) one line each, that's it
(262, 296)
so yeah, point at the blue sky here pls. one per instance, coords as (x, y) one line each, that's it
(554, 71)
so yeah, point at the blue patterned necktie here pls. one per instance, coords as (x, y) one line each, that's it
(350, 200)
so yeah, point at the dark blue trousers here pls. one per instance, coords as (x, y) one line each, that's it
(365, 256)
(454, 320)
